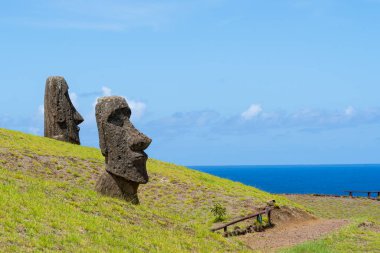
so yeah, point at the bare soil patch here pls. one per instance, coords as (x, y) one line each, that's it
(292, 227)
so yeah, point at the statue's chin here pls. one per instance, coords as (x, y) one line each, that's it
(75, 140)
(139, 175)
(140, 166)
(142, 175)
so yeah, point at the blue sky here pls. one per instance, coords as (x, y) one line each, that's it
(213, 82)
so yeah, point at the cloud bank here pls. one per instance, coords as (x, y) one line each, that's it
(255, 119)
(252, 112)
(210, 124)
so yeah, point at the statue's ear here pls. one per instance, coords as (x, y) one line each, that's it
(59, 109)
(101, 124)
(102, 140)
(60, 114)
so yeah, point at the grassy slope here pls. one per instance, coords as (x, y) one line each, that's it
(47, 201)
(351, 238)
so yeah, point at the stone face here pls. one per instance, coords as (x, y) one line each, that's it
(61, 117)
(123, 147)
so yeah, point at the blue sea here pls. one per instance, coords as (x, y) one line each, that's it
(302, 179)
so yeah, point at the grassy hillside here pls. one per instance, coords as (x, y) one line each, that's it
(363, 233)
(47, 201)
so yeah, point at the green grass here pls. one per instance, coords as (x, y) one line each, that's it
(37, 214)
(48, 203)
(351, 238)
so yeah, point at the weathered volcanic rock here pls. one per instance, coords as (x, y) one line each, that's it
(61, 117)
(123, 147)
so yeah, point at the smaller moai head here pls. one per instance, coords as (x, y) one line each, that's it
(61, 117)
(120, 142)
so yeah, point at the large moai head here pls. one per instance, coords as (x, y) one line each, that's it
(61, 117)
(123, 147)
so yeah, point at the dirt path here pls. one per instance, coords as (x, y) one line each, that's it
(290, 234)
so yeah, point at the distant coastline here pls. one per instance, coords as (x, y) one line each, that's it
(288, 165)
(302, 179)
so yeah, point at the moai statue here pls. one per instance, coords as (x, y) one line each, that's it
(123, 147)
(61, 117)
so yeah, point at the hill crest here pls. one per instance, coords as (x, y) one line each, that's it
(53, 182)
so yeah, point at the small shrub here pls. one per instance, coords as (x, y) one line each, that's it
(219, 212)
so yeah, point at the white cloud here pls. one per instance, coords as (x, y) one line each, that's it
(106, 91)
(211, 123)
(38, 115)
(74, 99)
(41, 110)
(138, 108)
(349, 111)
(90, 118)
(252, 112)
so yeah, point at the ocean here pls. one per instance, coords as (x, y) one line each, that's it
(302, 179)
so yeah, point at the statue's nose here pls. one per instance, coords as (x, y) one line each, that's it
(78, 118)
(139, 141)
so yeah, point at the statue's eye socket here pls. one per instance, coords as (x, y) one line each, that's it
(119, 116)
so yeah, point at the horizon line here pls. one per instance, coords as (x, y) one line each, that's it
(288, 165)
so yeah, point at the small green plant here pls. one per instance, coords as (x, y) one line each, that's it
(219, 212)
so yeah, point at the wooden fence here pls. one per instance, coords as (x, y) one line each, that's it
(258, 216)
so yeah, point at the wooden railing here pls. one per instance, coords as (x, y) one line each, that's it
(267, 211)
(368, 193)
